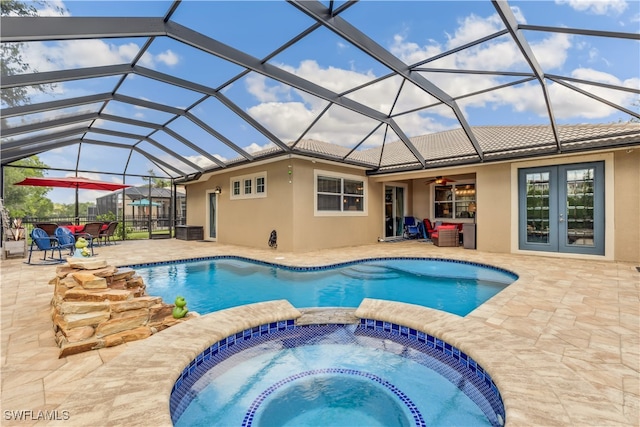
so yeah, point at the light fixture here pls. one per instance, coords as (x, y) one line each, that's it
(217, 190)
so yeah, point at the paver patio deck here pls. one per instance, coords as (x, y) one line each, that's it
(570, 327)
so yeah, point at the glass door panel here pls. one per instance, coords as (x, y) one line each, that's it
(581, 217)
(213, 202)
(538, 207)
(393, 211)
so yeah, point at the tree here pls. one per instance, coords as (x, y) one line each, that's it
(23, 201)
(69, 209)
(11, 60)
(156, 181)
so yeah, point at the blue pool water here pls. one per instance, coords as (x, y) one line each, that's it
(335, 375)
(219, 283)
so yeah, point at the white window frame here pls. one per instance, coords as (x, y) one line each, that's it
(253, 194)
(330, 174)
(453, 201)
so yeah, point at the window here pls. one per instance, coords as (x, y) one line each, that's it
(249, 186)
(455, 201)
(339, 194)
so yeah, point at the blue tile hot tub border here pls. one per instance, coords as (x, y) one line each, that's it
(480, 387)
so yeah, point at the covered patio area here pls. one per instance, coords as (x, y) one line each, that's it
(567, 330)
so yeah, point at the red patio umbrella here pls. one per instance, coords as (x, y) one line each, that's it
(76, 182)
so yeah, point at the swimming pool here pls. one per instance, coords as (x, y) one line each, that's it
(221, 282)
(371, 374)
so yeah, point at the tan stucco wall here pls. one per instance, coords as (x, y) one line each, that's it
(289, 207)
(247, 222)
(315, 232)
(493, 216)
(627, 205)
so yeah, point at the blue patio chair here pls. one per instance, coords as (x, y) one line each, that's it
(410, 228)
(41, 241)
(65, 239)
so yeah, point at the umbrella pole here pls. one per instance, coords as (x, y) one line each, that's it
(77, 208)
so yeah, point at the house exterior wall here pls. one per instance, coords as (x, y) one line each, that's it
(289, 207)
(246, 222)
(313, 232)
(493, 215)
(627, 205)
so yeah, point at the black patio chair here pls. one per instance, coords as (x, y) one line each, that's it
(49, 227)
(107, 235)
(91, 233)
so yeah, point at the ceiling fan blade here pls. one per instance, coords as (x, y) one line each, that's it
(440, 180)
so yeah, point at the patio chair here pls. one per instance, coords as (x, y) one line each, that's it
(41, 241)
(428, 228)
(49, 227)
(107, 234)
(91, 233)
(410, 228)
(66, 239)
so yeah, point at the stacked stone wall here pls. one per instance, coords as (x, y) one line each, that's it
(96, 305)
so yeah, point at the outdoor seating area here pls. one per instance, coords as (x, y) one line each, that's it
(53, 239)
(442, 234)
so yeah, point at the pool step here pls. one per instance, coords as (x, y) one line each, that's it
(327, 315)
(370, 272)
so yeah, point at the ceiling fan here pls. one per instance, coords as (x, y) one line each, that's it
(440, 180)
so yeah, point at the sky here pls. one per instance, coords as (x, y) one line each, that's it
(413, 31)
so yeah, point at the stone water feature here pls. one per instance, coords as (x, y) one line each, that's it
(96, 305)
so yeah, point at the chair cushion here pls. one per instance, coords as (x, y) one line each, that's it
(447, 227)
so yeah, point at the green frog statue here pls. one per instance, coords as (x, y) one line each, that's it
(180, 310)
(82, 249)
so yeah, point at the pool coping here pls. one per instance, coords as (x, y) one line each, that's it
(136, 385)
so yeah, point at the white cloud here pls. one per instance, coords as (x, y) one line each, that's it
(474, 27)
(598, 7)
(332, 78)
(257, 86)
(65, 54)
(254, 148)
(285, 119)
(553, 51)
(168, 57)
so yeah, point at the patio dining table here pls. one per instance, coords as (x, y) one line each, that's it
(79, 229)
(75, 229)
